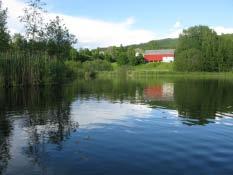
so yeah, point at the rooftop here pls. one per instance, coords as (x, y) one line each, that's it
(163, 51)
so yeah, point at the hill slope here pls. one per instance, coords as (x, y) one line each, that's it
(152, 45)
(157, 44)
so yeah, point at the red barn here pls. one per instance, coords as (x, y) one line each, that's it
(166, 55)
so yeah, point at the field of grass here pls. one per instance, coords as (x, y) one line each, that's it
(163, 67)
(151, 70)
(114, 66)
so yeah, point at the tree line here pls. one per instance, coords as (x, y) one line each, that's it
(201, 49)
(45, 53)
(54, 38)
(51, 37)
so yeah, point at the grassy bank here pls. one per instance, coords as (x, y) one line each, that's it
(151, 70)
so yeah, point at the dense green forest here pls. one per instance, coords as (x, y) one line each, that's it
(201, 49)
(46, 53)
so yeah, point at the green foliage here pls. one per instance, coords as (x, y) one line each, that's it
(151, 45)
(201, 49)
(120, 55)
(225, 53)
(133, 58)
(4, 35)
(33, 19)
(74, 69)
(188, 60)
(53, 38)
(97, 65)
(156, 44)
(108, 57)
(24, 69)
(84, 55)
(18, 42)
(57, 71)
(59, 40)
(122, 58)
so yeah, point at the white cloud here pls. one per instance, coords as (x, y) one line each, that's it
(90, 32)
(177, 24)
(91, 113)
(99, 33)
(222, 30)
(176, 30)
(15, 9)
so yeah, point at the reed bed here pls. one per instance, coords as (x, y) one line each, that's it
(26, 69)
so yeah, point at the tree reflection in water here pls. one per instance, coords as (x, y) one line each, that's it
(5, 132)
(199, 102)
(46, 118)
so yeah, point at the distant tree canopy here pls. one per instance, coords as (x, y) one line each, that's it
(169, 43)
(59, 40)
(4, 35)
(201, 49)
(52, 37)
(33, 19)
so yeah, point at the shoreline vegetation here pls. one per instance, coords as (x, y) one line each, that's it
(46, 55)
(159, 74)
(160, 70)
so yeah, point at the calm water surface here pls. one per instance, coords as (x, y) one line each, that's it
(118, 127)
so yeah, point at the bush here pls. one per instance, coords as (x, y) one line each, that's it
(57, 71)
(97, 65)
(188, 60)
(74, 69)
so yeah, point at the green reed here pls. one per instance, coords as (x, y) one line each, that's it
(26, 69)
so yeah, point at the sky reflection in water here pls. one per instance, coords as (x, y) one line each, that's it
(118, 127)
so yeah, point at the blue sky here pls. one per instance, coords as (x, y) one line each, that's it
(151, 14)
(142, 19)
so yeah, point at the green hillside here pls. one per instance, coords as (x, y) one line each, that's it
(168, 43)
(156, 44)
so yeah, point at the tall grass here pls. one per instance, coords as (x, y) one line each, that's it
(25, 69)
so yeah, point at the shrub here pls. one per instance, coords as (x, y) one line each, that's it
(97, 65)
(74, 69)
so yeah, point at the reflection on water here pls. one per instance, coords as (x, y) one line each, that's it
(91, 112)
(164, 92)
(202, 100)
(98, 126)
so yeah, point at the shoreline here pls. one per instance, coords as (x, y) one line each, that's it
(165, 74)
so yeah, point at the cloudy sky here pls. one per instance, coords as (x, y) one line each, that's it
(99, 23)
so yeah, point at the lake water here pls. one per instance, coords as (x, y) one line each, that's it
(116, 127)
